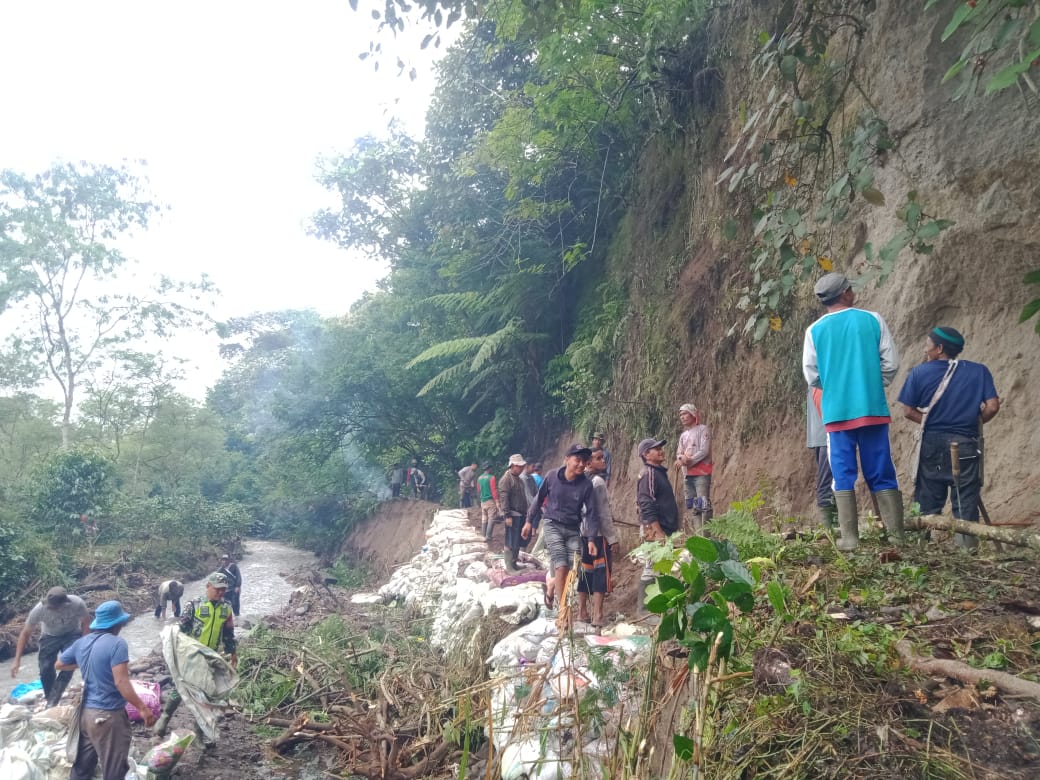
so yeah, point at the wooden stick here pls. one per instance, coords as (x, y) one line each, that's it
(993, 533)
(966, 674)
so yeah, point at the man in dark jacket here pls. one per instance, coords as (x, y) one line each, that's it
(564, 493)
(512, 497)
(234, 579)
(658, 511)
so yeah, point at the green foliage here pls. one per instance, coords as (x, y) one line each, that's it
(803, 173)
(1003, 43)
(71, 492)
(740, 526)
(691, 613)
(1031, 308)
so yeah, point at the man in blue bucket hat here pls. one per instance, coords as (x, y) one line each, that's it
(103, 658)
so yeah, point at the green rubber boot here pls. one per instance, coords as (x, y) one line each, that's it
(890, 503)
(848, 520)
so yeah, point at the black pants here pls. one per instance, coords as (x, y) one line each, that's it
(824, 478)
(935, 476)
(54, 683)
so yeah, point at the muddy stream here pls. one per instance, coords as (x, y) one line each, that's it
(264, 592)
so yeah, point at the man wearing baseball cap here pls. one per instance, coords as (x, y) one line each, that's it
(212, 623)
(103, 659)
(849, 353)
(658, 510)
(62, 619)
(563, 495)
(512, 497)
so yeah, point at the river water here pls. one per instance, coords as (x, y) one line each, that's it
(265, 590)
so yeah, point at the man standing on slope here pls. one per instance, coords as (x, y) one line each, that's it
(596, 570)
(512, 496)
(849, 353)
(950, 399)
(693, 459)
(490, 513)
(467, 483)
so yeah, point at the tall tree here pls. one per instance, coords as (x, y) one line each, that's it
(59, 259)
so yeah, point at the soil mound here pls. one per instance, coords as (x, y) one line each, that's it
(392, 535)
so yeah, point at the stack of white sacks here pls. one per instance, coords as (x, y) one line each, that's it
(537, 673)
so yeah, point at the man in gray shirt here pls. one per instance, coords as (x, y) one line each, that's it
(62, 619)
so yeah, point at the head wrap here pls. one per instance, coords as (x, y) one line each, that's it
(949, 339)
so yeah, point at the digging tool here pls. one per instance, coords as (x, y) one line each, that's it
(955, 467)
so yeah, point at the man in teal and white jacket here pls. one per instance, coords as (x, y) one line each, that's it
(849, 353)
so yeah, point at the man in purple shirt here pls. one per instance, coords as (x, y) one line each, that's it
(565, 493)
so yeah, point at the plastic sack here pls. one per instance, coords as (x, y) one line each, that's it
(27, 693)
(150, 694)
(162, 758)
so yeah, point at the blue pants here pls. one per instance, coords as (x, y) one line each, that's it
(875, 457)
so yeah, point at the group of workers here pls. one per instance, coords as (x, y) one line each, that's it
(70, 640)
(848, 359)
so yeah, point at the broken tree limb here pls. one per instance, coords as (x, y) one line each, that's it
(993, 533)
(1007, 683)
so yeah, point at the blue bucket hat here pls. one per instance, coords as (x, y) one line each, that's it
(109, 614)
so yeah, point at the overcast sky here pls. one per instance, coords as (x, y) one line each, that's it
(230, 103)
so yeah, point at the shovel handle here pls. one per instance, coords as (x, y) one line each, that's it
(955, 459)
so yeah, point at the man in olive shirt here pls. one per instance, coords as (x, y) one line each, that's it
(62, 619)
(512, 497)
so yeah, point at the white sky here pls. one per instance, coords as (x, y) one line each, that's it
(230, 103)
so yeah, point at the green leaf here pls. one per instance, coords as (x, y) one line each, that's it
(737, 571)
(699, 652)
(932, 229)
(792, 216)
(731, 590)
(962, 13)
(775, 592)
(702, 549)
(669, 627)
(873, 196)
(707, 618)
(658, 603)
(729, 229)
(913, 215)
(929, 4)
(789, 67)
(668, 583)
(1033, 277)
(1029, 310)
(1004, 78)
(1034, 33)
(683, 747)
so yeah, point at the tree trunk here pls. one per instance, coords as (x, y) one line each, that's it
(1021, 538)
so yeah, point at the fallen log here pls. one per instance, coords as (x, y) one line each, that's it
(1007, 683)
(994, 533)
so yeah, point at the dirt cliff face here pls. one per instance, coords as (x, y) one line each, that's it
(972, 163)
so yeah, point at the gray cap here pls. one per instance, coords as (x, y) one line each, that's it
(217, 580)
(831, 286)
(649, 444)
